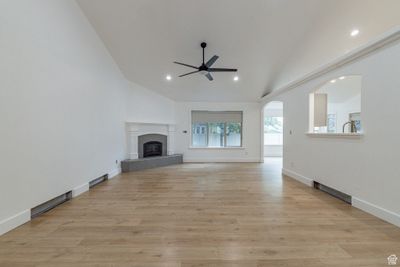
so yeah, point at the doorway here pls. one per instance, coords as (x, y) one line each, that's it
(273, 132)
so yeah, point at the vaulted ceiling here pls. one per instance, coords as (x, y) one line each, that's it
(271, 42)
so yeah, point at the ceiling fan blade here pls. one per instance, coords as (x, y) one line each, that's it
(209, 77)
(221, 70)
(187, 65)
(211, 61)
(189, 73)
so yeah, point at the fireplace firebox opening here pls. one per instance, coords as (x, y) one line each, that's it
(152, 145)
(152, 149)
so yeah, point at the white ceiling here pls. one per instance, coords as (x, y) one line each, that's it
(264, 39)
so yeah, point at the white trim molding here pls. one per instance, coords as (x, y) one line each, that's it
(376, 44)
(79, 190)
(298, 177)
(377, 211)
(384, 214)
(114, 173)
(14, 221)
(171, 140)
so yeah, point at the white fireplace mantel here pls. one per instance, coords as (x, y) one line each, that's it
(136, 129)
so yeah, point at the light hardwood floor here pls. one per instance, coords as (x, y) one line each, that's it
(202, 215)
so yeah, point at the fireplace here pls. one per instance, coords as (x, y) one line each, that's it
(152, 145)
(152, 149)
(139, 133)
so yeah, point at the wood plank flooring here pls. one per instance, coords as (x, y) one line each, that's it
(192, 215)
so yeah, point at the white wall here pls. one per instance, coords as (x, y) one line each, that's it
(147, 106)
(251, 133)
(63, 105)
(368, 167)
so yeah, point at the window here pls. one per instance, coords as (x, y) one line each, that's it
(233, 134)
(273, 131)
(217, 128)
(331, 123)
(199, 136)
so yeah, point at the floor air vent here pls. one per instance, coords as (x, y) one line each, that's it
(333, 192)
(45, 207)
(98, 180)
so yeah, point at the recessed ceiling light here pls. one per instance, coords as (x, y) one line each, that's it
(355, 32)
(168, 77)
(342, 78)
(236, 78)
(333, 81)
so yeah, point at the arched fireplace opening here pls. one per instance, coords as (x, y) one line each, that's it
(152, 145)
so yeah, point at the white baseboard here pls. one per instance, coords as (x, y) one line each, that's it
(114, 173)
(220, 160)
(14, 221)
(377, 211)
(80, 189)
(298, 177)
(25, 216)
(370, 208)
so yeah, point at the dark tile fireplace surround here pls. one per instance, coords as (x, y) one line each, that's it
(152, 145)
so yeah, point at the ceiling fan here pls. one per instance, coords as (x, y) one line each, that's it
(205, 68)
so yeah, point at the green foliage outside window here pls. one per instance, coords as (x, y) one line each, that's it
(273, 125)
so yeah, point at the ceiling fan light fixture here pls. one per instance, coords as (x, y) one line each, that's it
(168, 77)
(236, 78)
(203, 72)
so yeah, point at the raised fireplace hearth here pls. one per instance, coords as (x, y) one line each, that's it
(131, 165)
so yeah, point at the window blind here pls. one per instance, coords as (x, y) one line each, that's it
(216, 116)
